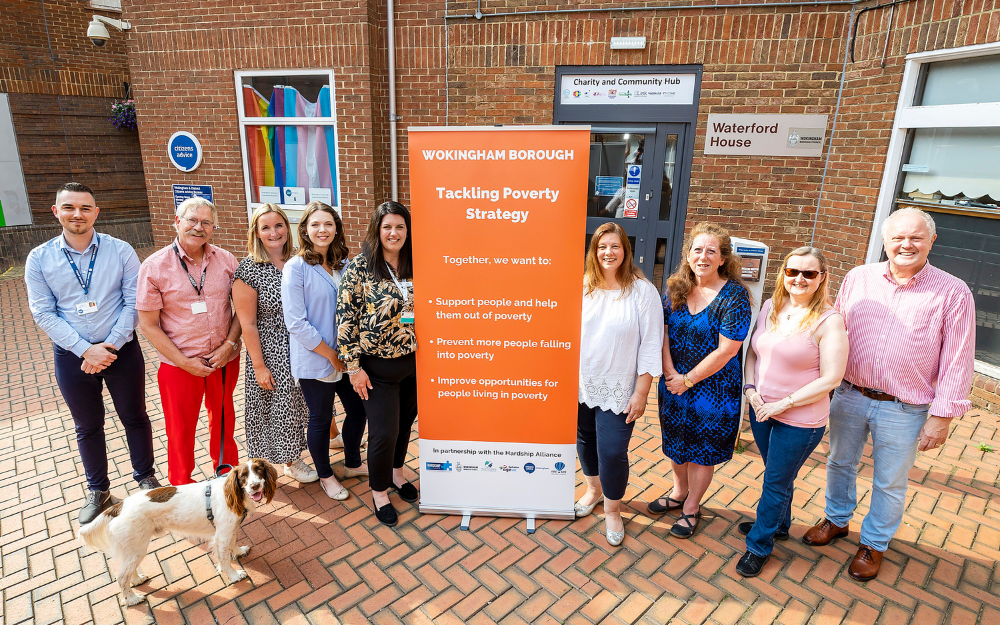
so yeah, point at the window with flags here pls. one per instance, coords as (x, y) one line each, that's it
(288, 136)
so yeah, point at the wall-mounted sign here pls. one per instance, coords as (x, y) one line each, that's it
(184, 151)
(607, 185)
(14, 208)
(186, 191)
(627, 89)
(766, 135)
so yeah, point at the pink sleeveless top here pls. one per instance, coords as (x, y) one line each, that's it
(784, 365)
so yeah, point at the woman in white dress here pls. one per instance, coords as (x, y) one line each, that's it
(622, 337)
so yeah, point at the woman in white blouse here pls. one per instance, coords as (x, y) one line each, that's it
(619, 356)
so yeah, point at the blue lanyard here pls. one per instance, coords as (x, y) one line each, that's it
(90, 271)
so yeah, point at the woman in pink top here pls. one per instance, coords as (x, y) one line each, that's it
(798, 355)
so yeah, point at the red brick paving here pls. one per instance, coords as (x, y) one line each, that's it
(318, 561)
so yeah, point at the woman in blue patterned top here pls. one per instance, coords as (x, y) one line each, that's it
(707, 315)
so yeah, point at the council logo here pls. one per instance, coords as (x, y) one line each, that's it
(565, 93)
(529, 468)
(438, 466)
(793, 139)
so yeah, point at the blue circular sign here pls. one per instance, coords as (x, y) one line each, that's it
(184, 151)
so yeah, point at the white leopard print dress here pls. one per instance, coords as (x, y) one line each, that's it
(275, 420)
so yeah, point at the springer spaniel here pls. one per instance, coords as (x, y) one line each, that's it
(124, 530)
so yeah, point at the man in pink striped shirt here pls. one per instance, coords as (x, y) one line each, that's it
(911, 329)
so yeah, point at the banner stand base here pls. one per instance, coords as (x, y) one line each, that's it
(529, 516)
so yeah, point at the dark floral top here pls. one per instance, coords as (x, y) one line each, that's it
(369, 315)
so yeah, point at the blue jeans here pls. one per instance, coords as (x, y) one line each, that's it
(791, 446)
(602, 439)
(895, 428)
(126, 382)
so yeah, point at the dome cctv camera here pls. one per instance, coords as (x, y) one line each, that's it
(98, 33)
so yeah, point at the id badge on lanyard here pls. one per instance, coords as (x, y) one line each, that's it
(88, 306)
(404, 287)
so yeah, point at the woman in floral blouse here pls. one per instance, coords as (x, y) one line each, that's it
(376, 343)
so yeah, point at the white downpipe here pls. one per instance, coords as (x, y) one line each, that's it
(393, 156)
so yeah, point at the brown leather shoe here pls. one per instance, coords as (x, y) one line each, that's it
(824, 533)
(865, 564)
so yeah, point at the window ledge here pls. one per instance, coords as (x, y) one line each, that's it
(987, 369)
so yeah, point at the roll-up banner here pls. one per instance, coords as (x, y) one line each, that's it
(499, 228)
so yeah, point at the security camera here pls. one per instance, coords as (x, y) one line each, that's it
(98, 33)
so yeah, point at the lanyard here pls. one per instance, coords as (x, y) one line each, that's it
(90, 270)
(204, 270)
(402, 291)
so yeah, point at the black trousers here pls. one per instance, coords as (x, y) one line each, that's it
(126, 380)
(391, 408)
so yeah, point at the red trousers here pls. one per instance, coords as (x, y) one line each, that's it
(181, 394)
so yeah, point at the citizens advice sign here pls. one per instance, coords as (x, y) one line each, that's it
(498, 222)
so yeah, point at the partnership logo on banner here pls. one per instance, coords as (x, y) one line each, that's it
(499, 221)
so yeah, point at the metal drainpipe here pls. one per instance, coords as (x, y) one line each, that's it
(393, 118)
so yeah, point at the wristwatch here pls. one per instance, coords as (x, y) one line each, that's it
(687, 381)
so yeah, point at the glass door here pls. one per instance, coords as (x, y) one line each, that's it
(666, 222)
(620, 185)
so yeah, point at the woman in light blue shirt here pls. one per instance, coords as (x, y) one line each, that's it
(309, 285)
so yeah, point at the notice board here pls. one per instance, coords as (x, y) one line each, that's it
(499, 227)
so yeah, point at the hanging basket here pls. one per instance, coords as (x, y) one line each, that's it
(123, 115)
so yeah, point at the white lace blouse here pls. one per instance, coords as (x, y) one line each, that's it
(622, 338)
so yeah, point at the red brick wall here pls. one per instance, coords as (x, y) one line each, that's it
(986, 393)
(182, 61)
(755, 60)
(60, 101)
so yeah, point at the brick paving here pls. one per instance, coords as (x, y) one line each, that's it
(318, 561)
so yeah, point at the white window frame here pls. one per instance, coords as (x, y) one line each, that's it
(239, 75)
(942, 116)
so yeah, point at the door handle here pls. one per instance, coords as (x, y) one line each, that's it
(649, 195)
(640, 259)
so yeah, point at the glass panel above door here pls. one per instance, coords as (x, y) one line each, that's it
(615, 171)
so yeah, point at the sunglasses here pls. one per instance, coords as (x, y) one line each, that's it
(808, 274)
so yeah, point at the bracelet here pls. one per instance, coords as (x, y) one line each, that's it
(358, 370)
(747, 387)
(233, 343)
(790, 400)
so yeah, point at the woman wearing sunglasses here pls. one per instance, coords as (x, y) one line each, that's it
(798, 355)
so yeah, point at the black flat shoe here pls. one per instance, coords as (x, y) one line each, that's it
(672, 504)
(746, 526)
(751, 564)
(407, 492)
(689, 527)
(386, 514)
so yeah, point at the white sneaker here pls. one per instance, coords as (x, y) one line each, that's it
(337, 443)
(301, 472)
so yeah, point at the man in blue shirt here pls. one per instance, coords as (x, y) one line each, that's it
(81, 292)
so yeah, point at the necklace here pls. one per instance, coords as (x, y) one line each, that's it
(788, 316)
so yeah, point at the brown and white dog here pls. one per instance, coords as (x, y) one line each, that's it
(124, 530)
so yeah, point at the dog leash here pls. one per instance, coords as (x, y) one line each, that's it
(222, 449)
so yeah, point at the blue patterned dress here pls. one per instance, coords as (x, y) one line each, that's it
(701, 424)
